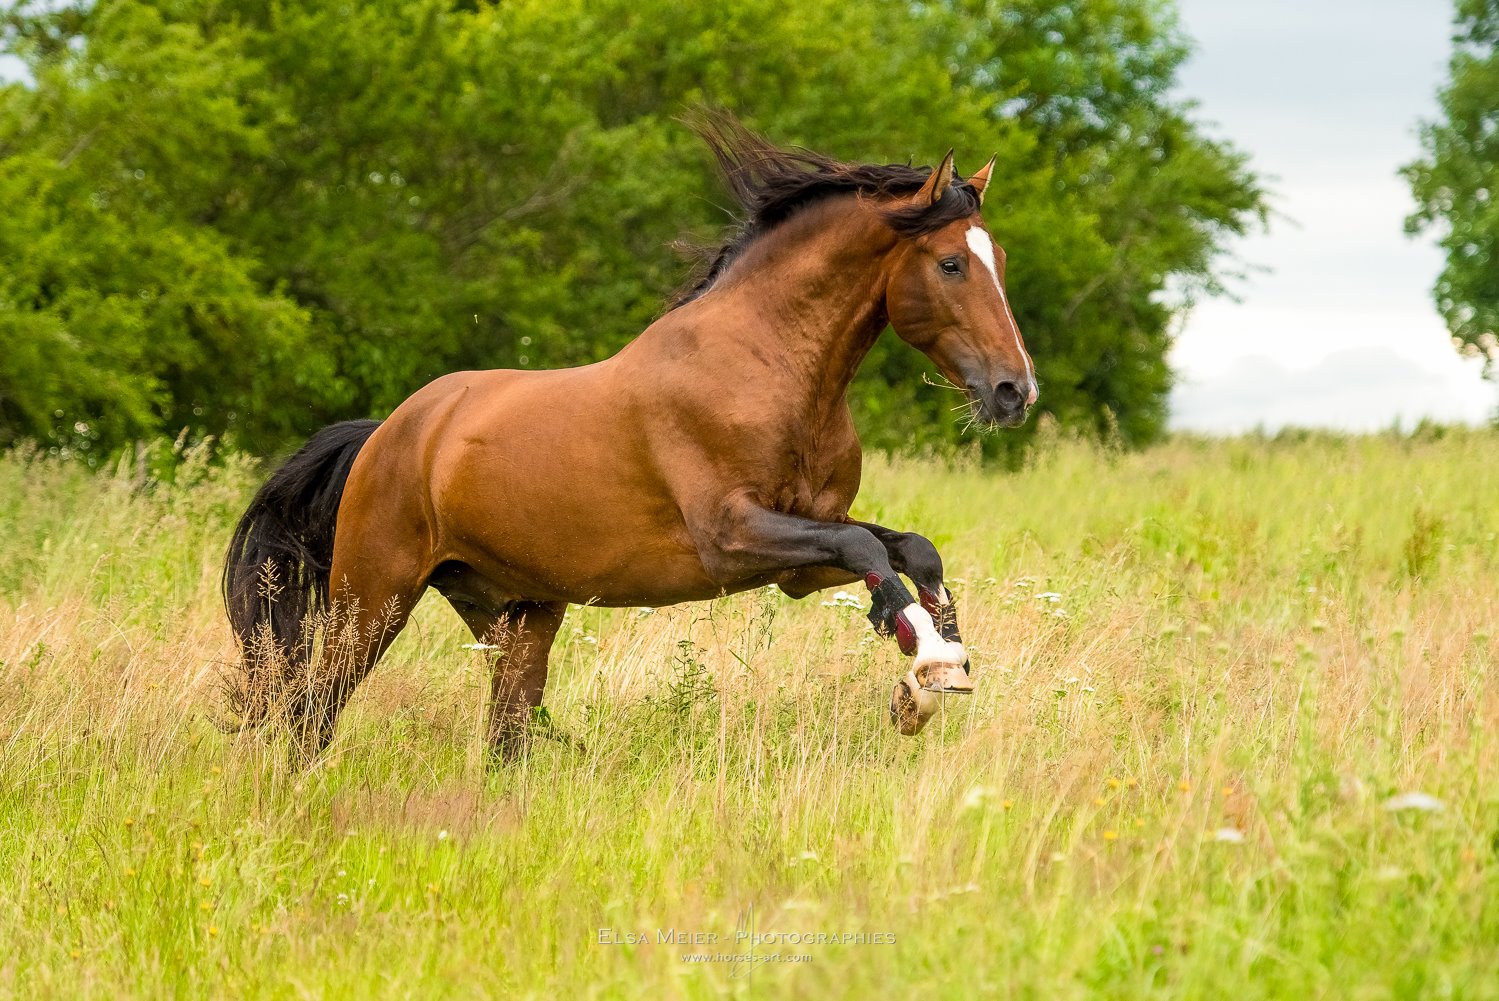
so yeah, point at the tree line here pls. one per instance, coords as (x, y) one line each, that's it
(253, 219)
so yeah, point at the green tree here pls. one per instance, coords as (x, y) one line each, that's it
(119, 316)
(1457, 183)
(261, 218)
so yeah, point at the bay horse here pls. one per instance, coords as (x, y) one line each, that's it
(714, 453)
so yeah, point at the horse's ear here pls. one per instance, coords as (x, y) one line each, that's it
(931, 192)
(980, 180)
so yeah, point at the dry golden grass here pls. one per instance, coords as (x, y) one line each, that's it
(1204, 672)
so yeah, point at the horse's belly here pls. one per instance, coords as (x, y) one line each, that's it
(575, 542)
(582, 577)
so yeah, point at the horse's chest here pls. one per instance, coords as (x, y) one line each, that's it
(816, 486)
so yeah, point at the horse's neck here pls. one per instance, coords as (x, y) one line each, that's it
(815, 288)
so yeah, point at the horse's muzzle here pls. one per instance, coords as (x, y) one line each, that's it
(1004, 405)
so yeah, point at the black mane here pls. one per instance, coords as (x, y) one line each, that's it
(771, 184)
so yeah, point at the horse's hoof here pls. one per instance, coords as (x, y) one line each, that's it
(943, 676)
(911, 706)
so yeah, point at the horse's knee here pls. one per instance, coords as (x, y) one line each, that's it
(923, 564)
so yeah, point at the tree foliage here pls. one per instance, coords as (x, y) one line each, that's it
(254, 218)
(1457, 183)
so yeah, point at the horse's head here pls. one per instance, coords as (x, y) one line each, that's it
(946, 297)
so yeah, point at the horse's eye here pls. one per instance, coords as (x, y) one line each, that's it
(951, 266)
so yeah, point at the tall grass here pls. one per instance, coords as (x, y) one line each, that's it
(1204, 673)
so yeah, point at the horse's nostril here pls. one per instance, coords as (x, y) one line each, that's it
(1008, 395)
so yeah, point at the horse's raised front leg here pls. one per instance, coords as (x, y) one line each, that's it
(520, 635)
(914, 556)
(752, 541)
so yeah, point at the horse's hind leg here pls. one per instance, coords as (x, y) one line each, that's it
(521, 635)
(367, 611)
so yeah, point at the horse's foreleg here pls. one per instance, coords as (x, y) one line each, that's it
(521, 635)
(913, 556)
(753, 541)
(916, 557)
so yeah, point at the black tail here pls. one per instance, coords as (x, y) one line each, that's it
(281, 556)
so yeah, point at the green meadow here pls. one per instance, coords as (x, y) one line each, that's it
(1234, 735)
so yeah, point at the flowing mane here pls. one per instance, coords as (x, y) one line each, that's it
(771, 184)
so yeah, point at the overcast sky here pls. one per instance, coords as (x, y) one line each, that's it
(1325, 95)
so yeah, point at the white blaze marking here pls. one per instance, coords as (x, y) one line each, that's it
(931, 648)
(982, 245)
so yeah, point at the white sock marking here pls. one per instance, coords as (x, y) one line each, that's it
(931, 648)
(982, 245)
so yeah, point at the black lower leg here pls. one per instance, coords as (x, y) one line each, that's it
(916, 557)
(944, 613)
(755, 541)
(888, 597)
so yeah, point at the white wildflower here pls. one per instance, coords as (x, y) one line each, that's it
(844, 599)
(1414, 801)
(977, 797)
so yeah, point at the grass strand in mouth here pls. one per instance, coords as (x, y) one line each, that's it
(1232, 729)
